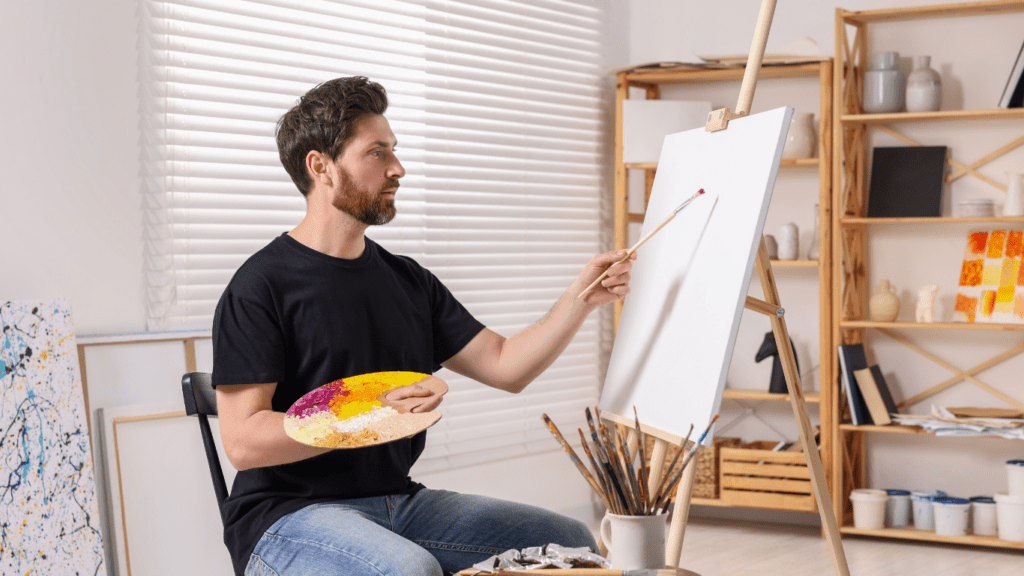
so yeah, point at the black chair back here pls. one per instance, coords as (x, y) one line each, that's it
(201, 401)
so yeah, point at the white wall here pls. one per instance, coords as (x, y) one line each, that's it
(974, 68)
(68, 155)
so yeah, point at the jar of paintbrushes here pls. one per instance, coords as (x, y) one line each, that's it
(637, 502)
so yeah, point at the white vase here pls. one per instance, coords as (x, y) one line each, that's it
(924, 87)
(1014, 205)
(789, 241)
(882, 90)
(800, 141)
(884, 305)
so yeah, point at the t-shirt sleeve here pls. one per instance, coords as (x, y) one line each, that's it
(454, 326)
(248, 344)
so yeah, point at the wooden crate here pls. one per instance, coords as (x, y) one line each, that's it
(705, 484)
(754, 476)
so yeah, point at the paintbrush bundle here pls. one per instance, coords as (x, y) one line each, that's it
(625, 489)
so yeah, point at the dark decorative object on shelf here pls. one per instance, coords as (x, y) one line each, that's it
(769, 349)
(906, 181)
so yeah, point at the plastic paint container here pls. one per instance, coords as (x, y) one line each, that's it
(983, 515)
(868, 508)
(951, 515)
(1015, 477)
(897, 508)
(924, 516)
(1010, 517)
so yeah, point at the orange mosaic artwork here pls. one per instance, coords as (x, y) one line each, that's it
(996, 242)
(970, 274)
(991, 278)
(976, 244)
(1015, 244)
(967, 305)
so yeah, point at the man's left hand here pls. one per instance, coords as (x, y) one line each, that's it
(413, 398)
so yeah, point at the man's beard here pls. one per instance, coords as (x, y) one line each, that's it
(372, 209)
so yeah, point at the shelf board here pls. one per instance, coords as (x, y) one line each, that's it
(929, 536)
(746, 394)
(858, 220)
(899, 429)
(941, 11)
(794, 263)
(939, 116)
(680, 76)
(853, 324)
(891, 428)
(796, 163)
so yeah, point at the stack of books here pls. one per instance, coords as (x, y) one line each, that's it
(866, 391)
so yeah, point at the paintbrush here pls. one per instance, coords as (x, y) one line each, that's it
(668, 471)
(689, 456)
(602, 456)
(605, 493)
(641, 472)
(572, 453)
(641, 242)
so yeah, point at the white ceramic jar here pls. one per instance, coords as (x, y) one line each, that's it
(882, 89)
(924, 87)
(800, 141)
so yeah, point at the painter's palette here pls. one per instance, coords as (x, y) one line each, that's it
(354, 412)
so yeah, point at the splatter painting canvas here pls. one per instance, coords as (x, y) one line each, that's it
(991, 279)
(48, 505)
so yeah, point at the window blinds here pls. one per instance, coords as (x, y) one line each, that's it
(497, 109)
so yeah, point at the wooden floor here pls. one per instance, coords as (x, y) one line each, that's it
(726, 548)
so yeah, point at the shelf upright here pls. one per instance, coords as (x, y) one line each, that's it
(850, 254)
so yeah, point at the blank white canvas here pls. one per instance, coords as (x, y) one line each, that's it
(162, 504)
(689, 284)
(645, 123)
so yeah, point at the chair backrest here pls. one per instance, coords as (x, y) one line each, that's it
(201, 401)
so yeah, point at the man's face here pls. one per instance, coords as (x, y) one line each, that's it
(367, 173)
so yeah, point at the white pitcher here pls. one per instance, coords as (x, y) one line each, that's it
(1014, 205)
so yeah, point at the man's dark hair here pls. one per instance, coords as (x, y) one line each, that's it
(324, 120)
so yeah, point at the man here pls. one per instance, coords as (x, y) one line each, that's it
(323, 302)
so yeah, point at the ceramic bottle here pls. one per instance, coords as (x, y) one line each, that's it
(884, 305)
(1014, 205)
(882, 84)
(801, 140)
(924, 87)
(814, 251)
(789, 241)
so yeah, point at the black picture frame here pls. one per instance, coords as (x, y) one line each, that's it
(906, 181)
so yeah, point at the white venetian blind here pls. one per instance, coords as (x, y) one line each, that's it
(497, 109)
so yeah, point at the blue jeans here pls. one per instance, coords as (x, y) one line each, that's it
(430, 533)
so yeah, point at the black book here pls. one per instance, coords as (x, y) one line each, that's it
(906, 181)
(851, 359)
(1013, 93)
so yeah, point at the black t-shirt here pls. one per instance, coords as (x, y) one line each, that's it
(301, 318)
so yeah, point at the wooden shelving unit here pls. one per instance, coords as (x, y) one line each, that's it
(850, 247)
(651, 82)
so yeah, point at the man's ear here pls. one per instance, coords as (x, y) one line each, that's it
(317, 167)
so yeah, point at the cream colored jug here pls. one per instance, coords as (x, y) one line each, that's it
(884, 305)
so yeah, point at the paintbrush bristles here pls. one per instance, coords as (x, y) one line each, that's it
(624, 488)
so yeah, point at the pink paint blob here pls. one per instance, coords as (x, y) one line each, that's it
(317, 400)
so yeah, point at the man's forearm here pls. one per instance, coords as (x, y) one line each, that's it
(261, 441)
(527, 354)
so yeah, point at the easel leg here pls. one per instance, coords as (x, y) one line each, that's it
(680, 513)
(796, 397)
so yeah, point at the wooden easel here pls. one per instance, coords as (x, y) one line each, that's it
(770, 306)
